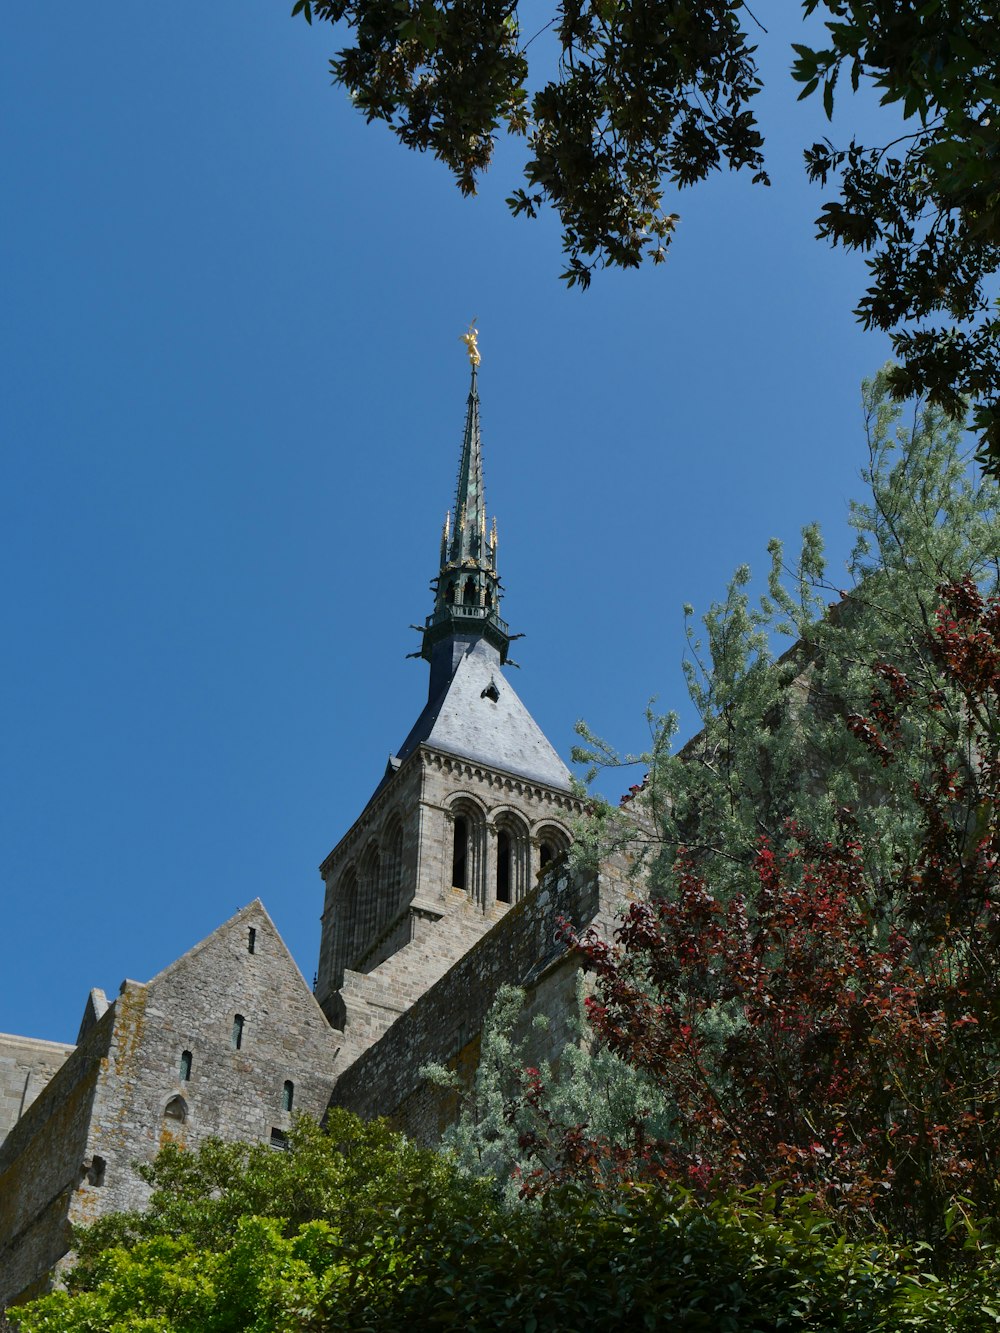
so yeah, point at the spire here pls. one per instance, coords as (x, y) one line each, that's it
(467, 587)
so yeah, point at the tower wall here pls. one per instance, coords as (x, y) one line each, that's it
(26, 1066)
(444, 1025)
(384, 942)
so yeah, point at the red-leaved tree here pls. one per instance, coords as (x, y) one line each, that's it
(822, 1030)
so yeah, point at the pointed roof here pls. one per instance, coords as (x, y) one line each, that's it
(468, 540)
(478, 716)
(472, 711)
(467, 589)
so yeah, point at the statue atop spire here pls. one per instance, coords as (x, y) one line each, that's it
(471, 340)
(467, 587)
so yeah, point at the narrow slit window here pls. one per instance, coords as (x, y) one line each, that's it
(503, 866)
(238, 1025)
(287, 1095)
(251, 940)
(185, 1066)
(460, 855)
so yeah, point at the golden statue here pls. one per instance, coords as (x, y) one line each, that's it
(472, 344)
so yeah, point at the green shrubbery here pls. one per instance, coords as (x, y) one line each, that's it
(355, 1229)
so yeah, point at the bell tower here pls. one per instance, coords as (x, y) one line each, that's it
(472, 807)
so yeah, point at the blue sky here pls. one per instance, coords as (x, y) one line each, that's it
(233, 396)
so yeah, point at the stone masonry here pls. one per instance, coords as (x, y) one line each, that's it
(226, 1041)
(26, 1065)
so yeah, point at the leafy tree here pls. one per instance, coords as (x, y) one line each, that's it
(424, 1248)
(646, 96)
(772, 745)
(775, 757)
(858, 1054)
(509, 1096)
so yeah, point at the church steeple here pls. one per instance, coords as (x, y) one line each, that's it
(467, 588)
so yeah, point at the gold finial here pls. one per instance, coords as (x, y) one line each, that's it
(472, 344)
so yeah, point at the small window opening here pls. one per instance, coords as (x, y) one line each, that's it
(251, 940)
(489, 597)
(279, 1139)
(469, 597)
(460, 854)
(449, 596)
(237, 1032)
(491, 692)
(546, 854)
(185, 1066)
(96, 1170)
(503, 867)
(176, 1109)
(287, 1095)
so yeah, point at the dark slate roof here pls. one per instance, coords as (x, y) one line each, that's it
(466, 720)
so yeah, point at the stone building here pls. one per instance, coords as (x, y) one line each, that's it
(448, 884)
(226, 1041)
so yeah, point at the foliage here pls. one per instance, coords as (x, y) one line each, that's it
(774, 755)
(643, 1259)
(509, 1094)
(657, 94)
(862, 1056)
(773, 745)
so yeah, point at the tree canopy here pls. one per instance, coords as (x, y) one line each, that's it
(354, 1229)
(642, 99)
(809, 996)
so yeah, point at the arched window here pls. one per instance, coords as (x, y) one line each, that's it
(346, 909)
(460, 855)
(512, 854)
(469, 596)
(392, 891)
(552, 847)
(287, 1095)
(185, 1066)
(449, 595)
(503, 866)
(237, 1039)
(368, 896)
(469, 850)
(176, 1109)
(251, 940)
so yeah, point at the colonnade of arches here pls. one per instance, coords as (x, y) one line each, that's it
(493, 857)
(497, 858)
(369, 895)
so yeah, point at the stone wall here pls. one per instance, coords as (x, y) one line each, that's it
(43, 1164)
(26, 1066)
(153, 1095)
(163, 1064)
(444, 1025)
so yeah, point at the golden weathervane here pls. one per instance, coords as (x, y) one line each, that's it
(471, 340)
